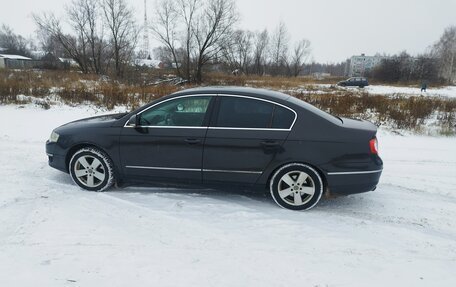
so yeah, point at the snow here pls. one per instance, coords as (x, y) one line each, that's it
(14, 57)
(148, 63)
(55, 234)
(448, 91)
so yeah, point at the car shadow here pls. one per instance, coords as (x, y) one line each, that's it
(246, 198)
(251, 199)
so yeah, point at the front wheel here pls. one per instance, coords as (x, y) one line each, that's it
(296, 186)
(91, 169)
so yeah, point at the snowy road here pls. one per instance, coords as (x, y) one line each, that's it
(55, 234)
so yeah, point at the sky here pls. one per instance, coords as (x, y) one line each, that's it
(337, 29)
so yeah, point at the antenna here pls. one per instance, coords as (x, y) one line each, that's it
(146, 33)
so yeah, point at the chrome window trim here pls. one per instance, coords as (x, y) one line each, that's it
(258, 129)
(354, 172)
(218, 128)
(192, 169)
(249, 129)
(167, 127)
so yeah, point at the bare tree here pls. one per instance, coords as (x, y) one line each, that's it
(86, 44)
(279, 48)
(238, 52)
(187, 11)
(13, 43)
(165, 28)
(78, 20)
(300, 54)
(212, 31)
(261, 42)
(197, 28)
(119, 19)
(50, 25)
(445, 50)
(49, 44)
(93, 32)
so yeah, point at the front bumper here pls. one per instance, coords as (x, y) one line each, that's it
(56, 157)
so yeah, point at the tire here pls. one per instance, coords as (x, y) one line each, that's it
(91, 169)
(296, 186)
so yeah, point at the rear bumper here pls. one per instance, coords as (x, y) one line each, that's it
(345, 183)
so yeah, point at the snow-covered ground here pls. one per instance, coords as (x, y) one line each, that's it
(55, 234)
(448, 92)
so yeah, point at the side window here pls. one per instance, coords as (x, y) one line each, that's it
(283, 118)
(237, 112)
(187, 111)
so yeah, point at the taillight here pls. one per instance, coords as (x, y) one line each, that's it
(373, 144)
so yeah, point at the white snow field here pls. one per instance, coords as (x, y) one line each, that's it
(52, 233)
(447, 92)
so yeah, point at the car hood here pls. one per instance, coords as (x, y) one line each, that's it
(97, 121)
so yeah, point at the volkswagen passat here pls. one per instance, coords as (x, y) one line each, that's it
(242, 137)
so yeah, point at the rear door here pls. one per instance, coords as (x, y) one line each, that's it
(244, 136)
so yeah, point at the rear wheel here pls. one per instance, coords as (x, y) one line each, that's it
(92, 169)
(296, 186)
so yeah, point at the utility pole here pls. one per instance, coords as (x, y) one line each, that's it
(146, 50)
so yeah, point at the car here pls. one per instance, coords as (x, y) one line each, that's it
(223, 137)
(354, 82)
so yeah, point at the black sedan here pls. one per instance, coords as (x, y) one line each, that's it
(223, 137)
(354, 82)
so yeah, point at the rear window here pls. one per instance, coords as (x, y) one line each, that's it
(282, 118)
(239, 112)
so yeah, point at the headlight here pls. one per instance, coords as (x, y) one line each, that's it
(54, 137)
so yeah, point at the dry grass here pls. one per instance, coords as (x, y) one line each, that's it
(409, 113)
(74, 88)
(276, 83)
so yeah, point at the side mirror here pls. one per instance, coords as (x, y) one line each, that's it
(134, 120)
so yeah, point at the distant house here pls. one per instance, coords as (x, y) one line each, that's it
(156, 64)
(37, 54)
(69, 62)
(15, 62)
(321, 75)
(360, 65)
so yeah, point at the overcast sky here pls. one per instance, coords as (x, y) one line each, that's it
(337, 29)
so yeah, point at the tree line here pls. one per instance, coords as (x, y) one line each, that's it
(102, 36)
(194, 33)
(437, 65)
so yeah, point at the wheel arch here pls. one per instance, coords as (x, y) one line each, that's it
(79, 146)
(316, 168)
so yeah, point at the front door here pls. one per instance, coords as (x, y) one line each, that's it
(168, 144)
(244, 137)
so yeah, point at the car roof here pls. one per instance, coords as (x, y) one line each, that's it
(229, 90)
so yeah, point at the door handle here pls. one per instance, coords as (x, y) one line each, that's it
(269, 143)
(192, 141)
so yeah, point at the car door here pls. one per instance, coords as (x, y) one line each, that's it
(168, 144)
(244, 136)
